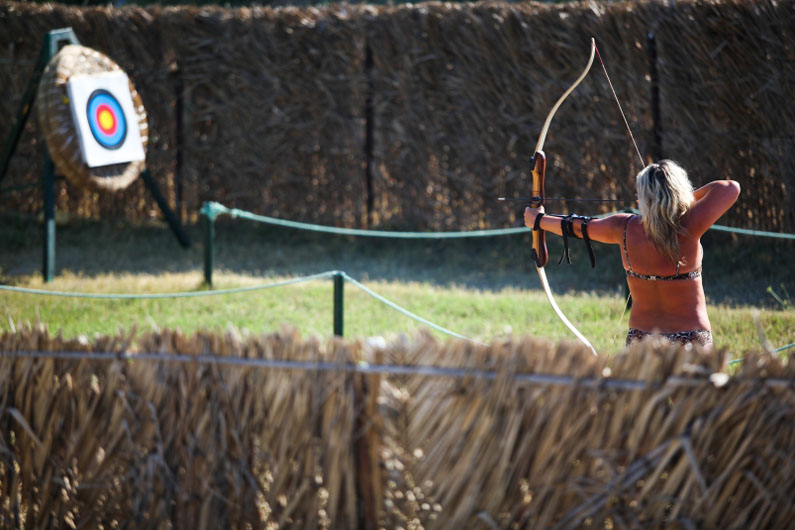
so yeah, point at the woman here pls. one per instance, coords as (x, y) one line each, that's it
(661, 250)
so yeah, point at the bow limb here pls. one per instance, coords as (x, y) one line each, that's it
(545, 129)
(542, 275)
(539, 252)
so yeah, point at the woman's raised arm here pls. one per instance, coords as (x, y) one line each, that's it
(712, 201)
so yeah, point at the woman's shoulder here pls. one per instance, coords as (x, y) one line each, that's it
(620, 220)
(609, 229)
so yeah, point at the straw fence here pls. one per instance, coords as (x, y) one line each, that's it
(419, 116)
(555, 438)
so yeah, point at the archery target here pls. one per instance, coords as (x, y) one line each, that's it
(106, 119)
(59, 117)
(101, 105)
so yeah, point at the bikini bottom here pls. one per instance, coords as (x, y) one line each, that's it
(697, 336)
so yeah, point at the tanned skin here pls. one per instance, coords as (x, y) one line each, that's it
(662, 306)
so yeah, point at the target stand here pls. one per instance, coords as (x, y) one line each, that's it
(94, 125)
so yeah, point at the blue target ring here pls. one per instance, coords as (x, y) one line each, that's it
(106, 119)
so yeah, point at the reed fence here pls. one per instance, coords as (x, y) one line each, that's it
(521, 433)
(417, 117)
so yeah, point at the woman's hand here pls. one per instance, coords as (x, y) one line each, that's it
(530, 215)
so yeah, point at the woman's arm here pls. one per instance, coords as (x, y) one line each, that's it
(712, 201)
(605, 230)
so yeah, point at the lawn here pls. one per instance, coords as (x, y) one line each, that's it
(483, 289)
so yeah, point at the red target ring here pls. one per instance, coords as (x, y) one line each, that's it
(106, 120)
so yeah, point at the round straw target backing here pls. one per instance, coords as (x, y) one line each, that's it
(108, 123)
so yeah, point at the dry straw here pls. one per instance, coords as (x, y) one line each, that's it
(154, 444)
(283, 109)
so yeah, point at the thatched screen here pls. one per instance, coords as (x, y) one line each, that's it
(654, 437)
(420, 116)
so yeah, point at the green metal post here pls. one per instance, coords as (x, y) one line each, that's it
(55, 37)
(209, 247)
(48, 263)
(339, 298)
(52, 40)
(24, 111)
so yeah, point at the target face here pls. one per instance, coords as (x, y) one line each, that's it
(105, 119)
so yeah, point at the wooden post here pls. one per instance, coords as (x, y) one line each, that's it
(368, 135)
(209, 246)
(339, 304)
(657, 140)
(367, 444)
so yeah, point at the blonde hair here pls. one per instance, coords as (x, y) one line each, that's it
(664, 195)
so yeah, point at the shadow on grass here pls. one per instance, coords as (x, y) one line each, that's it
(738, 269)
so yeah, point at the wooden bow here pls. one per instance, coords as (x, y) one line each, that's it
(539, 163)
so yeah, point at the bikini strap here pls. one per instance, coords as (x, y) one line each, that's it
(626, 252)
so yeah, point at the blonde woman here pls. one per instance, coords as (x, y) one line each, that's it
(660, 249)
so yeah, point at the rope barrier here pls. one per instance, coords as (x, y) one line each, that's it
(189, 294)
(747, 232)
(218, 292)
(777, 350)
(718, 379)
(406, 312)
(213, 209)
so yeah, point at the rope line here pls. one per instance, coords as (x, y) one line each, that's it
(406, 312)
(386, 369)
(777, 350)
(747, 232)
(191, 294)
(188, 294)
(214, 209)
(292, 281)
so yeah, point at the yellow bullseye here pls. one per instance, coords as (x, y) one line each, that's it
(106, 120)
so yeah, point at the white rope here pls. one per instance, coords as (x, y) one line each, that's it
(718, 378)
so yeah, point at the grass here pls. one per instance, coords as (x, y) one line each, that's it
(480, 288)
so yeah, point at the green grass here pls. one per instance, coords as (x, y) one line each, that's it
(475, 313)
(483, 289)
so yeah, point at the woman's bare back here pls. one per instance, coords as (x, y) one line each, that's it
(665, 305)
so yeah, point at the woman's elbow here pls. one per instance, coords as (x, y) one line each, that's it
(727, 190)
(735, 188)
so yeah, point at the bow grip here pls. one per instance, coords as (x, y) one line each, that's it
(539, 169)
